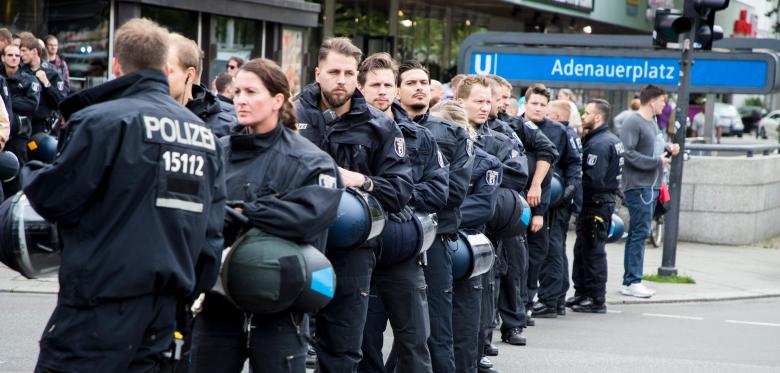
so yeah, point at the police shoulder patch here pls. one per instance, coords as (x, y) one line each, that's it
(327, 181)
(400, 147)
(491, 177)
(60, 85)
(441, 158)
(470, 147)
(531, 125)
(35, 86)
(592, 159)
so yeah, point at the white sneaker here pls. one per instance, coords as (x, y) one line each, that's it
(637, 290)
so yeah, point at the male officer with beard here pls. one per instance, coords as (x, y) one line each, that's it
(602, 167)
(370, 151)
(458, 149)
(398, 290)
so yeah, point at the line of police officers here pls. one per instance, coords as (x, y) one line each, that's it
(138, 192)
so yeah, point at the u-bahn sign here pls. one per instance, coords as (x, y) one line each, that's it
(622, 68)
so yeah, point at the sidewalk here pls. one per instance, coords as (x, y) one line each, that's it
(720, 272)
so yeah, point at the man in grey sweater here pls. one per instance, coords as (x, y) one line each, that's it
(642, 178)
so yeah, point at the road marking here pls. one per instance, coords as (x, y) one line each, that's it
(673, 316)
(752, 323)
(614, 311)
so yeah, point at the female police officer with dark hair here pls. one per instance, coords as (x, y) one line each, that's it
(286, 187)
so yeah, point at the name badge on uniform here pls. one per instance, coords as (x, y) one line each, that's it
(303, 126)
(592, 159)
(400, 147)
(491, 177)
(327, 181)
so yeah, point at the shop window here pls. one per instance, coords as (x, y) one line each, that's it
(234, 37)
(175, 20)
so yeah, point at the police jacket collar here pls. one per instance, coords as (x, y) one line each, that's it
(244, 145)
(224, 99)
(143, 81)
(565, 123)
(591, 133)
(203, 103)
(358, 112)
(402, 119)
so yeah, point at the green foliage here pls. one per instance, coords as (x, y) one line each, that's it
(670, 279)
(755, 101)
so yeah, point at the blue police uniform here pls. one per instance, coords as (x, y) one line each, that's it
(139, 218)
(458, 150)
(498, 139)
(551, 268)
(218, 115)
(477, 209)
(24, 91)
(288, 188)
(399, 290)
(46, 115)
(364, 140)
(602, 161)
(513, 287)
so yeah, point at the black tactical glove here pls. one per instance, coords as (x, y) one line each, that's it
(402, 216)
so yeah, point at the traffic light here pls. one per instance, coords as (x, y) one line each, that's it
(703, 11)
(669, 24)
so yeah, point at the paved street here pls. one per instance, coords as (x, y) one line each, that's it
(695, 337)
(692, 337)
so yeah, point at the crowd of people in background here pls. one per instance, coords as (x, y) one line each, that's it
(466, 150)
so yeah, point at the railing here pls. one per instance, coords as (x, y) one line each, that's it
(748, 149)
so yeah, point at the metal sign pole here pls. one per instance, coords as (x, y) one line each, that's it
(671, 224)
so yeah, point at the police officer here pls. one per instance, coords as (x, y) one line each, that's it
(371, 154)
(547, 260)
(477, 209)
(286, 187)
(5, 112)
(513, 298)
(53, 87)
(398, 290)
(602, 161)
(24, 91)
(186, 64)
(458, 150)
(560, 111)
(139, 217)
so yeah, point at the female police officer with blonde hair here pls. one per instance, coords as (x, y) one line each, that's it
(286, 187)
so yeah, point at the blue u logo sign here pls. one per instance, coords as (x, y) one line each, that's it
(489, 62)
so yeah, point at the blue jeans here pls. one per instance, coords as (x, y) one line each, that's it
(641, 204)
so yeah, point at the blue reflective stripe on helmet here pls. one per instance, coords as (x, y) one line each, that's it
(322, 281)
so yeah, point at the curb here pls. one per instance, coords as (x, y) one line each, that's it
(694, 300)
(27, 291)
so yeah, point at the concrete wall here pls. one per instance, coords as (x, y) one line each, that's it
(730, 200)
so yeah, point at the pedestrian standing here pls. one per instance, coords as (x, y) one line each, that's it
(53, 47)
(265, 150)
(458, 150)
(642, 179)
(370, 151)
(601, 171)
(139, 217)
(398, 292)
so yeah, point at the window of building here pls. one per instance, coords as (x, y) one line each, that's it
(234, 37)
